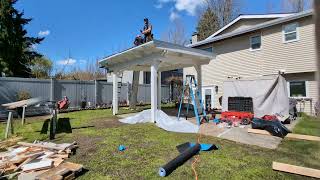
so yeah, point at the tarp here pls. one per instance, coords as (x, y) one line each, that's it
(269, 94)
(163, 121)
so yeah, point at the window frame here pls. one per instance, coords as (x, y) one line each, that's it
(285, 33)
(250, 39)
(207, 48)
(306, 89)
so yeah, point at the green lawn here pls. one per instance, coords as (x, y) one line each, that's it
(99, 134)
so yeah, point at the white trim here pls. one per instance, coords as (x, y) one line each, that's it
(296, 31)
(251, 42)
(257, 16)
(212, 88)
(307, 88)
(254, 28)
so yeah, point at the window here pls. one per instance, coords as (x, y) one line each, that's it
(209, 49)
(290, 32)
(255, 42)
(298, 89)
(146, 77)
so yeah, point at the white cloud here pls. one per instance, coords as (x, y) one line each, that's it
(82, 61)
(189, 6)
(68, 61)
(44, 33)
(158, 6)
(174, 16)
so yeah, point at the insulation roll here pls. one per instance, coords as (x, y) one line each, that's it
(179, 160)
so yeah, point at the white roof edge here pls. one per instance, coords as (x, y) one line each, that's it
(249, 16)
(254, 28)
(121, 52)
(165, 46)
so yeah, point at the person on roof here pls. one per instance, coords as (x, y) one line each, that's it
(147, 30)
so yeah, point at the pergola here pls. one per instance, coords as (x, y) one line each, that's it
(154, 56)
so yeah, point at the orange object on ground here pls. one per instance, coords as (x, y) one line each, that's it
(236, 116)
(64, 103)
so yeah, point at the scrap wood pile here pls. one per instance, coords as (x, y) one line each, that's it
(39, 160)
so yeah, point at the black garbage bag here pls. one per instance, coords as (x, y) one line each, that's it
(276, 128)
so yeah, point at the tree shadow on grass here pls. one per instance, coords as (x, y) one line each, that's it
(63, 126)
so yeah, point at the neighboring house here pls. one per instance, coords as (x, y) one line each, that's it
(258, 45)
(144, 77)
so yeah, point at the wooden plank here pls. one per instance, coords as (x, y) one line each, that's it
(14, 105)
(289, 136)
(41, 146)
(296, 169)
(303, 137)
(258, 131)
(60, 171)
(57, 161)
(44, 164)
(30, 158)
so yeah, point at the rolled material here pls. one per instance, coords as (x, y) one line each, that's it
(179, 160)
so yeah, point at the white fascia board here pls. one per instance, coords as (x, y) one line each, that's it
(254, 28)
(257, 16)
(127, 65)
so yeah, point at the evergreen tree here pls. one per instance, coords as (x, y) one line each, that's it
(16, 52)
(207, 24)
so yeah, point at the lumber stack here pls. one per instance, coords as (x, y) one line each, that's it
(39, 160)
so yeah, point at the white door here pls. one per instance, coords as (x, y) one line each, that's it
(208, 97)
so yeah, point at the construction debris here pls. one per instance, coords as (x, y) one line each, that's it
(39, 160)
(289, 136)
(296, 169)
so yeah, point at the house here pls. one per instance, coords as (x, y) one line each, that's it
(259, 45)
(144, 77)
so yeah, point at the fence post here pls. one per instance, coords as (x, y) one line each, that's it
(95, 93)
(52, 89)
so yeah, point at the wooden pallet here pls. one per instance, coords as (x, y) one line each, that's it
(65, 170)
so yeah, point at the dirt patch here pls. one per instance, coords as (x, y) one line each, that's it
(88, 146)
(107, 123)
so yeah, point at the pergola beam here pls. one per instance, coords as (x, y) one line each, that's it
(131, 64)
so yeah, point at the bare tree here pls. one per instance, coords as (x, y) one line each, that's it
(176, 33)
(296, 5)
(216, 14)
(270, 6)
(90, 71)
(225, 10)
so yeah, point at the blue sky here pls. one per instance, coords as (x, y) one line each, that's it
(87, 30)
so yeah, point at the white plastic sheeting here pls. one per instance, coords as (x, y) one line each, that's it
(163, 121)
(269, 94)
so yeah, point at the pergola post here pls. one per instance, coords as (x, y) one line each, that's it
(197, 67)
(115, 94)
(154, 93)
(159, 90)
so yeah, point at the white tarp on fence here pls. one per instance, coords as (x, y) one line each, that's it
(163, 121)
(269, 94)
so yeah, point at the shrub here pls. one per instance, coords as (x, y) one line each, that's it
(23, 95)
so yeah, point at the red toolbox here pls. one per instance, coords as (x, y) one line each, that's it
(236, 116)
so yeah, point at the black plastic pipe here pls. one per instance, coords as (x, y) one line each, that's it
(179, 160)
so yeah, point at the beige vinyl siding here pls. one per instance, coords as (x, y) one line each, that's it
(298, 56)
(243, 24)
(234, 57)
(309, 77)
